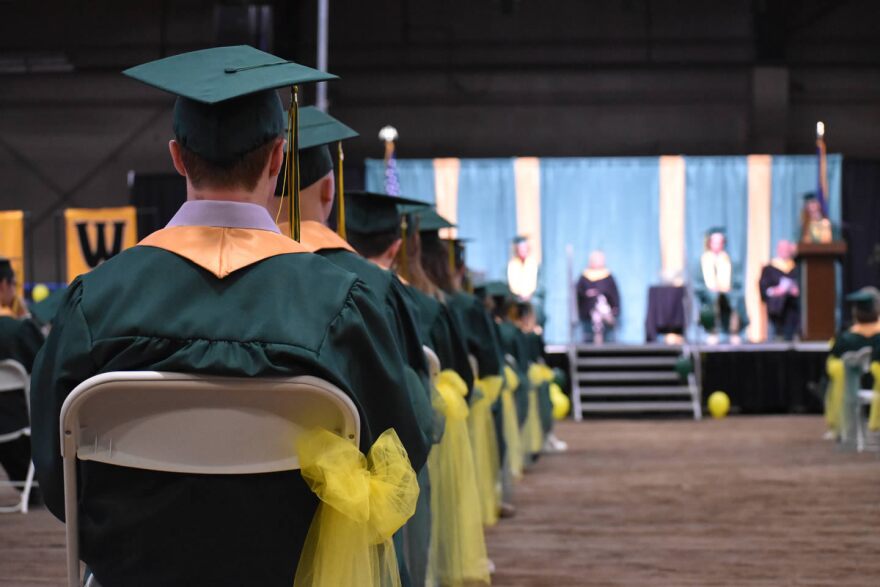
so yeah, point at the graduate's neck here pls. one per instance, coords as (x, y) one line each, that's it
(241, 196)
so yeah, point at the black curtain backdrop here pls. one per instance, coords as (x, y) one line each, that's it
(861, 224)
(157, 196)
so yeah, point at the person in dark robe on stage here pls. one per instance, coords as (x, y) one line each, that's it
(219, 291)
(20, 340)
(598, 301)
(781, 293)
(722, 307)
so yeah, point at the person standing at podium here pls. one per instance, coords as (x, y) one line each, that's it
(781, 293)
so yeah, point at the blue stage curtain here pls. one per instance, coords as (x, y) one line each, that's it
(600, 203)
(792, 177)
(716, 194)
(487, 214)
(416, 177)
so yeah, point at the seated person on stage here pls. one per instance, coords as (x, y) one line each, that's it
(864, 332)
(218, 291)
(20, 340)
(721, 303)
(780, 291)
(597, 300)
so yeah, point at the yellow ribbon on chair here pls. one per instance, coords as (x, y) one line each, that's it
(485, 446)
(458, 548)
(540, 374)
(874, 417)
(834, 395)
(510, 423)
(532, 433)
(364, 501)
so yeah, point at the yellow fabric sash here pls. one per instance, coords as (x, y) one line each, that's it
(457, 554)
(539, 374)
(596, 274)
(834, 395)
(874, 417)
(317, 237)
(487, 459)
(784, 265)
(560, 401)
(364, 501)
(510, 424)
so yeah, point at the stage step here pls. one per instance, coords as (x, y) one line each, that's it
(627, 379)
(631, 391)
(632, 407)
(628, 376)
(626, 362)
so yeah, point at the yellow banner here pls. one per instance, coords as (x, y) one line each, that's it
(12, 244)
(94, 235)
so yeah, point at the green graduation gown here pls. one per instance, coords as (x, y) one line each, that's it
(166, 307)
(480, 334)
(20, 340)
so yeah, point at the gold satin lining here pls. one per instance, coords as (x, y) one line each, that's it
(866, 330)
(314, 236)
(784, 265)
(221, 250)
(596, 274)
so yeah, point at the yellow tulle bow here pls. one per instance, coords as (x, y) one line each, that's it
(452, 389)
(510, 423)
(874, 417)
(532, 436)
(458, 549)
(539, 374)
(364, 501)
(484, 443)
(560, 401)
(834, 396)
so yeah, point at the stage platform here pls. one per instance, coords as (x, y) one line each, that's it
(759, 378)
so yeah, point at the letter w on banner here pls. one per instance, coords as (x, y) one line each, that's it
(94, 235)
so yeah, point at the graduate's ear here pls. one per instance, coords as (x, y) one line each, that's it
(393, 249)
(176, 157)
(276, 158)
(328, 189)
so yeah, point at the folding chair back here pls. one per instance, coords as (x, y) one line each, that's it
(186, 423)
(852, 426)
(433, 362)
(14, 378)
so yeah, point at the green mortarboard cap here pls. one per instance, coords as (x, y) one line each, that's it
(373, 213)
(316, 131)
(6, 271)
(716, 230)
(520, 239)
(227, 104)
(867, 298)
(496, 289)
(45, 310)
(430, 220)
(809, 196)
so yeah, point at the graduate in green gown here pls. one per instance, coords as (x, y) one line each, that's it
(20, 340)
(218, 291)
(864, 332)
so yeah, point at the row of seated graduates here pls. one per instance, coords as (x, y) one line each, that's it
(443, 545)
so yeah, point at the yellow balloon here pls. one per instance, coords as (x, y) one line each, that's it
(39, 293)
(560, 401)
(719, 404)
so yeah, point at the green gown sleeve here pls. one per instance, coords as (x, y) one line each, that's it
(62, 364)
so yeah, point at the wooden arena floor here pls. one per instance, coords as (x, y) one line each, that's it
(757, 501)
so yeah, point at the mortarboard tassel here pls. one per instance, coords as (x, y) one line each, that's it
(404, 258)
(340, 196)
(290, 186)
(451, 243)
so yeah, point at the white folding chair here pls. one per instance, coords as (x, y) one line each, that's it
(853, 424)
(184, 423)
(433, 362)
(14, 378)
(475, 365)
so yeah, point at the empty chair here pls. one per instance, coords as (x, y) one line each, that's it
(15, 379)
(185, 423)
(853, 426)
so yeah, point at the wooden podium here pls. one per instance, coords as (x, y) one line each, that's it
(819, 288)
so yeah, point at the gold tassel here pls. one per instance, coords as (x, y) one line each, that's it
(404, 258)
(340, 197)
(290, 186)
(451, 256)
